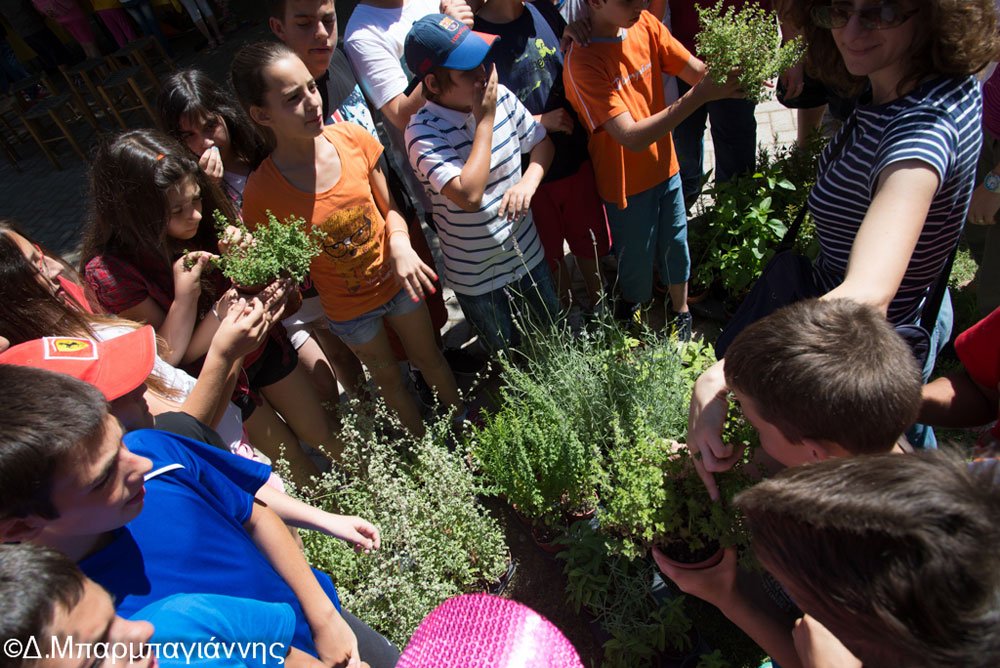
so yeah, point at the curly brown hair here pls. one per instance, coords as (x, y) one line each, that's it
(954, 38)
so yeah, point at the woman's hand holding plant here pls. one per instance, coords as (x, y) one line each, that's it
(411, 272)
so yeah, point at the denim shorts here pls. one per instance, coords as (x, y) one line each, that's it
(365, 327)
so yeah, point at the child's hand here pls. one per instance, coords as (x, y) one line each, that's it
(485, 105)
(706, 420)
(557, 120)
(411, 272)
(243, 329)
(458, 10)
(715, 585)
(516, 201)
(274, 298)
(818, 648)
(211, 163)
(187, 273)
(336, 644)
(730, 88)
(577, 31)
(234, 236)
(360, 533)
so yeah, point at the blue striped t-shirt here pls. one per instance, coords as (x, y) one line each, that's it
(937, 123)
(482, 252)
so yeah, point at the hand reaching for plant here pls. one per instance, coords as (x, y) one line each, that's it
(715, 585)
(818, 648)
(411, 272)
(187, 273)
(242, 330)
(706, 420)
(234, 237)
(360, 533)
(709, 90)
(211, 163)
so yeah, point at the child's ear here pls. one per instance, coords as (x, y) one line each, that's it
(259, 115)
(20, 529)
(277, 27)
(818, 451)
(432, 84)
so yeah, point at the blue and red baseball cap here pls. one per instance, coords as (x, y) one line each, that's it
(438, 40)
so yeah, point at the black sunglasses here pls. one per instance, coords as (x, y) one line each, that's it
(875, 17)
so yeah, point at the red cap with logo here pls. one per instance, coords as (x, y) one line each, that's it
(115, 367)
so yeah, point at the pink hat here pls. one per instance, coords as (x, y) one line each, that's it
(484, 631)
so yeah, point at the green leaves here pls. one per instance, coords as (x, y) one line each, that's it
(746, 40)
(278, 250)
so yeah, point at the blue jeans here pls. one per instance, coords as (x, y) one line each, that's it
(650, 232)
(921, 436)
(493, 314)
(142, 13)
(734, 137)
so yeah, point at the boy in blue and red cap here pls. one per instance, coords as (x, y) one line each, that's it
(465, 145)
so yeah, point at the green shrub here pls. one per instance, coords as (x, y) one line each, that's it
(617, 590)
(747, 40)
(278, 250)
(437, 540)
(737, 233)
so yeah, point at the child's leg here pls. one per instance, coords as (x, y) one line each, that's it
(417, 334)
(537, 290)
(346, 365)
(671, 243)
(269, 434)
(547, 213)
(490, 315)
(377, 356)
(585, 226)
(295, 399)
(633, 230)
(366, 336)
(319, 370)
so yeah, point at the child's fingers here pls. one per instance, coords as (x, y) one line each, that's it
(427, 278)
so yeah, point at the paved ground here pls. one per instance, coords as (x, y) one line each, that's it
(51, 205)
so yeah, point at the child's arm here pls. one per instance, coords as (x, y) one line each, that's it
(177, 325)
(363, 535)
(517, 200)
(334, 640)
(415, 276)
(466, 190)
(818, 648)
(717, 585)
(639, 135)
(956, 400)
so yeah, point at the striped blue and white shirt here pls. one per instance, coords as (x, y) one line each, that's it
(937, 123)
(482, 252)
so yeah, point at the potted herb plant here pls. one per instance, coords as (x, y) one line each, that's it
(655, 497)
(746, 40)
(273, 250)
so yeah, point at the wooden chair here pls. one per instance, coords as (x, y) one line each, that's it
(143, 53)
(59, 109)
(82, 79)
(122, 92)
(9, 135)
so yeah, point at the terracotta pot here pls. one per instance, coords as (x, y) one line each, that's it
(294, 303)
(712, 560)
(544, 537)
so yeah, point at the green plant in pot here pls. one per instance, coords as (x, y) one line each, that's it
(274, 250)
(545, 471)
(655, 497)
(746, 40)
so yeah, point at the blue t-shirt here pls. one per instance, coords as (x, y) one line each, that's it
(189, 537)
(212, 630)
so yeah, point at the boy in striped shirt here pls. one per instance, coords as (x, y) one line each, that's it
(465, 145)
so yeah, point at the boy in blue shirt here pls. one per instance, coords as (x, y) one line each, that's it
(70, 481)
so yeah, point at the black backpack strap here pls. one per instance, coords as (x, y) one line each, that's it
(929, 315)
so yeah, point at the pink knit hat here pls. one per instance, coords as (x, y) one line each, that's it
(484, 631)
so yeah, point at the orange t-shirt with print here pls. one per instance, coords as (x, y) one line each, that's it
(352, 274)
(608, 77)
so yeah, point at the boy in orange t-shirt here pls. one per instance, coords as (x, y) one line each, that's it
(614, 84)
